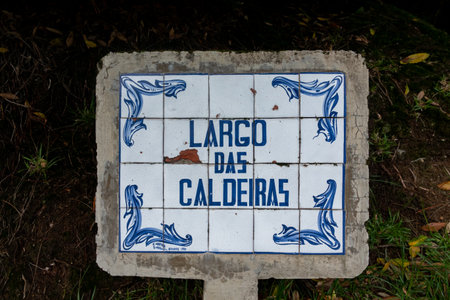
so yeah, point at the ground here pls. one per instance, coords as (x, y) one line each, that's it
(48, 65)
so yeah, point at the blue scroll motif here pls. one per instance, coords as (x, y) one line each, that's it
(325, 235)
(137, 235)
(328, 125)
(133, 100)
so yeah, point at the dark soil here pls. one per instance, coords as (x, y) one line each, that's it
(48, 64)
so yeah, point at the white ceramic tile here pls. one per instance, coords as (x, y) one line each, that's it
(272, 99)
(192, 102)
(276, 186)
(231, 96)
(231, 231)
(318, 92)
(148, 180)
(315, 148)
(191, 225)
(230, 140)
(149, 218)
(313, 221)
(183, 134)
(145, 92)
(282, 141)
(326, 179)
(147, 142)
(276, 231)
(232, 190)
(185, 186)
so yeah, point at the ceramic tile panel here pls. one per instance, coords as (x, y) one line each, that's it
(141, 230)
(143, 143)
(231, 187)
(230, 231)
(276, 95)
(322, 95)
(186, 230)
(322, 140)
(192, 102)
(230, 140)
(322, 231)
(276, 231)
(148, 179)
(231, 96)
(184, 140)
(141, 96)
(320, 180)
(185, 186)
(239, 163)
(277, 141)
(276, 186)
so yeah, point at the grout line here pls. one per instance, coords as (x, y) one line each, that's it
(207, 168)
(163, 164)
(299, 154)
(254, 160)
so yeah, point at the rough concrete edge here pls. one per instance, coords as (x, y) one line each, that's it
(109, 259)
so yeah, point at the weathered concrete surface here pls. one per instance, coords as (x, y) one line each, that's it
(232, 276)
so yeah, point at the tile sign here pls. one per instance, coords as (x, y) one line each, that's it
(232, 163)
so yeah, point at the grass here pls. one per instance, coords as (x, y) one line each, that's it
(398, 273)
(39, 164)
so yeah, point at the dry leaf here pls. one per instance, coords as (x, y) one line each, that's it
(372, 31)
(3, 50)
(9, 96)
(89, 44)
(433, 226)
(40, 115)
(406, 90)
(400, 262)
(414, 58)
(445, 186)
(69, 39)
(54, 30)
(420, 95)
(418, 241)
(413, 251)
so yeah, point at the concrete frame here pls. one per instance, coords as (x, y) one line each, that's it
(232, 276)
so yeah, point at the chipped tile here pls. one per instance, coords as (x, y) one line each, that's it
(184, 141)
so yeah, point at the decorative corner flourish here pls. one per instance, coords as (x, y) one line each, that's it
(133, 100)
(327, 225)
(137, 235)
(327, 125)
